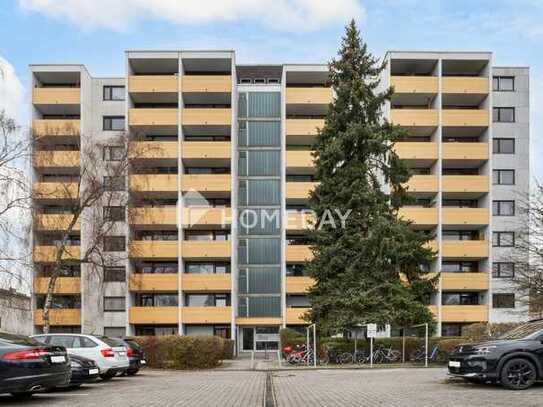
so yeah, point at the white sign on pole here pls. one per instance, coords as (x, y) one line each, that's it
(371, 330)
(383, 332)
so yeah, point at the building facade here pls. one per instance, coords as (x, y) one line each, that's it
(15, 312)
(210, 235)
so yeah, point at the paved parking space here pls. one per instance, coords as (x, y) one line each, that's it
(332, 387)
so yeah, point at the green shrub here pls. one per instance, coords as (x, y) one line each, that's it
(228, 352)
(486, 331)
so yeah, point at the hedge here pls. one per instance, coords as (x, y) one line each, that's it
(184, 352)
(486, 331)
(228, 352)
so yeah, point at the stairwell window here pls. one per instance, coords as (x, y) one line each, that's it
(503, 114)
(114, 93)
(113, 123)
(503, 270)
(114, 243)
(503, 146)
(114, 304)
(114, 183)
(503, 208)
(503, 239)
(114, 213)
(503, 83)
(113, 153)
(114, 274)
(503, 300)
(503, 177)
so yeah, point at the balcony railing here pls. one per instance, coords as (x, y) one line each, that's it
(207, 282)
(56, 159)
(153, 84)
(49, 127)
(206, 84)
(298, 253)
(465, 117)
(153, 315)
(167, 282)
(299, 285)
(465, 216)
(464, 281)
(464, 85)
(55, 222)
(153, 216)
(59, 317)
(153, 150)
(464, 313)
(295, 316)
(415, 84)
(153, 117)
(153, 183)
(63, 285)
(465, 249)
(56, 96)
(148, 249)
(216, 250)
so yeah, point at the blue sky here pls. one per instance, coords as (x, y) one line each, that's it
(96, 33)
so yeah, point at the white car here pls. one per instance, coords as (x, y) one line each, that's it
(108, 353)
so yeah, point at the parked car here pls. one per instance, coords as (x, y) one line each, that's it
(515, 359)
(84, 370)
(28, 366)
(108, 353)
(136, 356)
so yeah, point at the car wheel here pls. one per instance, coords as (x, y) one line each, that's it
(107, 376)
(132, 372)
(22, 395)
(518, 374)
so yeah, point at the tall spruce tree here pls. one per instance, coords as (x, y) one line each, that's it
(370, 270)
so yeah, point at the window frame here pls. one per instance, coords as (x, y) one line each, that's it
(499, 174)
(115, 298)
(109, 88)
(496, 204)
(109, 246)
(497, 272)
(498, 235)
(496, 143)
(114, 269)
(106, 119)
(497, 113)
(107, 211)
(107, 153)
(499, 304)
(497, 80)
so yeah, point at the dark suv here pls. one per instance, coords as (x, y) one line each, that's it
(514, 359)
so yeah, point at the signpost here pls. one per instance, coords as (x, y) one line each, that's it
(371, 332)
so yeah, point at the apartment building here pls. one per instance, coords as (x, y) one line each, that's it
(211, 239)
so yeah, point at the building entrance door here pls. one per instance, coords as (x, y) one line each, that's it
(260, 338)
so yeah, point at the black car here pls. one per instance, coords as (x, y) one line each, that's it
(28, 366)
(136, 357)
(83, 370)
(515, 359)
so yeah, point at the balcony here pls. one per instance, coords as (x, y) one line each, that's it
(464, 313)
(414, 117)
(295, 316)
(422, 154)
(206, 250)
(464, 85)
(47, 254)
(474, 184)
(153, 183)
(299, 285)
(206, 315)
(256, 321)
(464, 281)
(299, 221)
(425, 85)
(465, 117)
(421, 217)
(141, 282)
(299, 190)
(153, 84)
(206, 217)
(153, 117)
(55, 222)
(206, 84)
(61, 160)
(465, 216)
(153, 150)
(56, 96)
(153, 315)
(465, 249)
(298, 253)
(211, 183)
(149, 249)
(465, 151)
(206, 152)
(51, 128)
(303, 127)
(300, 161)
(63, 285)
(423, 184)
(144, 217)
(207, 117)
(59, 317)
(56, 191)
(206, 282)
(307, 95)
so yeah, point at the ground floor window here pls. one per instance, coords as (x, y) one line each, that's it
(156, 330)
(451, 330)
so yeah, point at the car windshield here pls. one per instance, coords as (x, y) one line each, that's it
(525, 331)
(17, 339)
(111, 341)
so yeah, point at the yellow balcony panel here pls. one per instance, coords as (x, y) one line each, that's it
(148, 249)
(56, 159)
(153, 182)
(300, 159)
(313, 96)
(464, 85)
(432, 245)
(206, 217)
(206, 315)
(298, 253)
(465, 151)
(165, 216)
(303, 127)
(465, 216)
(50, 127)
(416, 151)
(207, 282)
(153, 150)
(299, 285)
(299, 190)
(56, 96)
(48, 254)
(464, 313)
(206, 83)
(295, 316)
(206, 150)
(141, 282)
(153, 84)
(414, 117)
(248, 321)
(465, 249)
(300, 221)
(55, 222)
(56, 190)
(206, 183)
(153, 117)
(59, 317)
(433, 310)
(423, 184)
(415, 84)
(206, 249)
(153, 315)
(63, 285)
(421, 217)
(465, 183)
(464, 117)
(464, 281)
(207, 117)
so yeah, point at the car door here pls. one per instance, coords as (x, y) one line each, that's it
(86, 347)
(63, 340)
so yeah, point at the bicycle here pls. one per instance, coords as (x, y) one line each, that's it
(419, 355)
(386, 355)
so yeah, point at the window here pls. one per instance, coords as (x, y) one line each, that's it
(162, 267)
(207, 300)
(221, 331)
(113, 123)
(503, 83)
(114, 183)
(114, 213)
(114, 331)
(207, 268)
(112, 274)
(296, 270)
(503, 177)
(451, 330)
(113, 92)
(503, 208)
(114, 304)
(114, 243)
(460, 299)
(503, 300)
(503, 270)
(113, 153)
(503, 239)
(503, 114)
(460, 235)
(274, 80)
(83, 342)
(503, 146)
(460, 267)
(156, 300)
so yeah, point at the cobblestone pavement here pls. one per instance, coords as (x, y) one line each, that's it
(332, 387)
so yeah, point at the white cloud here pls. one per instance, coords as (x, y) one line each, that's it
(285, 15)
(11, 90)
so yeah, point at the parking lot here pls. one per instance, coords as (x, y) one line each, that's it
(332, 387)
